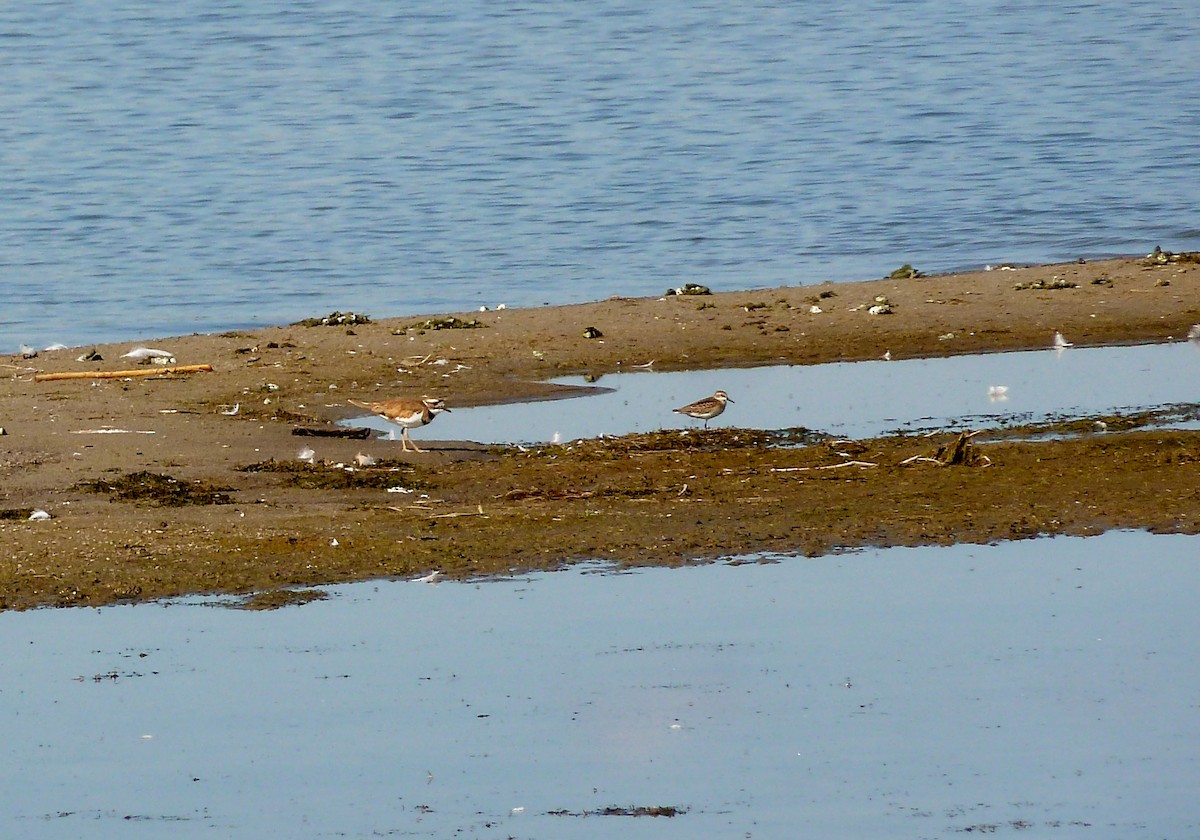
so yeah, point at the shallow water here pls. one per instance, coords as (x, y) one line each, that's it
(856, 400)
(197, 166)
(1045, 685)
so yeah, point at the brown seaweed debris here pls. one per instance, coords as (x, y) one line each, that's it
(1160, 257)
(383, 475)
(448, 322)
(1053, 283)
(334, 319)
(685, 440)
(159, 490)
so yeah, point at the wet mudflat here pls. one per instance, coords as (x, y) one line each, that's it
(161, 485)
(1033, 688)
(249, 515)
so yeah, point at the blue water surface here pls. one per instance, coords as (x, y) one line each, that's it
(1039, 688)
(198, 166)
(849, 399)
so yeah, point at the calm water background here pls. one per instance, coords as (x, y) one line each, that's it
(197, 166)
(1040, 688)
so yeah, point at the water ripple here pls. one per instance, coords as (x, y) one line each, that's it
(260, 164)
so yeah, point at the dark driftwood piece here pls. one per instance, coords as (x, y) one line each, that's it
(331, 431)
(959, 453)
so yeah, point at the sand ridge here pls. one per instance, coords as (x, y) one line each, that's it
(252, 518)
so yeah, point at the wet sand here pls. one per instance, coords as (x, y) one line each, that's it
(155, 491)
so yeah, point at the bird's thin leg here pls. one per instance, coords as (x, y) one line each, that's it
(415, 448)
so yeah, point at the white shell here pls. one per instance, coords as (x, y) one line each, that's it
(142, 353)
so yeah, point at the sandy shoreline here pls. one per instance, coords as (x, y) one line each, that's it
(491, 510)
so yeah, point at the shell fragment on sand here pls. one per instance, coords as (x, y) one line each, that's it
(151, 355)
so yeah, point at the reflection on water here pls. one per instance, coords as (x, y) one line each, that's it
(854, 399)
(1046, 685)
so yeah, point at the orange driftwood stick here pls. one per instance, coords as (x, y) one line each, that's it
(118, 374)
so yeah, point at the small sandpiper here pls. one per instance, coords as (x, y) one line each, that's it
(407, 414)
(707, 408)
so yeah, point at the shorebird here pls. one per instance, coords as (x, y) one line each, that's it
(407, 414)
(705, 409)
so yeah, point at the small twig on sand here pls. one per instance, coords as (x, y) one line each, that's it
(459, 513)
(826, 466)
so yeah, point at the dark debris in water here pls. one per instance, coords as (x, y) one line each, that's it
(112, 676)
(160, 490)
(615, 811)
(1019, 825)
(115, 815)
